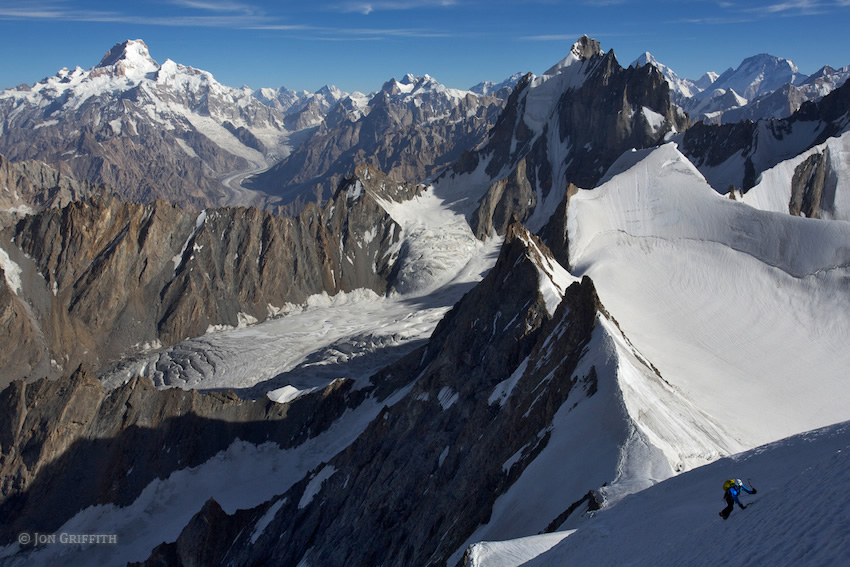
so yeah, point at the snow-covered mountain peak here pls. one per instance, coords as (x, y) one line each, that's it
(760, 74)
(582, 50)
(682, 88)
(331, 92)
(489, 87)
(766, 60)
(706, 80)
(130, 58)
(569, 73)
(646, 58)
(411, 87)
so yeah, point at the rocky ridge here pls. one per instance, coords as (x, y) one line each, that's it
(30, 186)
(485, 400)
(105, 278)
(70, 444)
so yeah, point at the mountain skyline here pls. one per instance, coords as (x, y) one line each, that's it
(357, 45)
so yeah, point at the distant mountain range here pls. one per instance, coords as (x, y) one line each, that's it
(762, 86)
(173, 132)
(149, 131)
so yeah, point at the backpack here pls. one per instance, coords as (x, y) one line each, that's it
(729, 484)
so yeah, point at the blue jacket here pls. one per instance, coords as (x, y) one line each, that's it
(734, 491)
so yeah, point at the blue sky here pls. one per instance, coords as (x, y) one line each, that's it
(357, 45)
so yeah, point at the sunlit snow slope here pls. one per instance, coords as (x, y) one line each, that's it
(743, 311)
(797, 517)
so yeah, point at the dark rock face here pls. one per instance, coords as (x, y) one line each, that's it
(408, 135)
(23, 352)
(109, 276)
(427, 471)
(812, 190)
(603, 111)
(746, 148)
(608, 116)
(197, 546)
(555, 234)
(69, 444)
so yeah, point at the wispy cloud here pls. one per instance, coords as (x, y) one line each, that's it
(799, 7)
(553, 37)
(216, 6)
(207, 14)
(391, 5)
(319, 33)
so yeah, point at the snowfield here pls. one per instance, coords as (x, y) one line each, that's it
(797, 517)
(745, 312)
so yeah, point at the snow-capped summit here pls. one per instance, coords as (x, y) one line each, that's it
(681, 88)
(706, 80)
(490, 87)
(760, 74)
(150, 131)
(582, 50)
(129, 58)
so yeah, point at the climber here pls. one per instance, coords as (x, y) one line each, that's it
(732, 488)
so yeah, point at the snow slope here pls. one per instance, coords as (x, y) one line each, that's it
(797, 517)
(743, 311)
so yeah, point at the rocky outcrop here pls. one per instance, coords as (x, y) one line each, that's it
(810, 186)
(428, 470)
(69, 444)
(30, 186)
(110, 278)
(24, 352)
(410, 129)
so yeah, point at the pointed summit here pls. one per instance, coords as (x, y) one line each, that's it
(582, 50)
(129, 58)
(646, 58)
(586, 47)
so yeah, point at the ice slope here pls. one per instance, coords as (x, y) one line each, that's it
(797, 517)
(742, 311)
